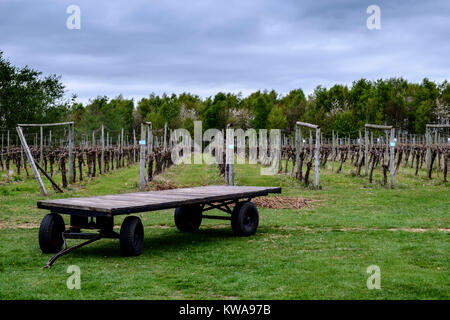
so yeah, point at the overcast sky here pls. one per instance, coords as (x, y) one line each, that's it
(136, 47)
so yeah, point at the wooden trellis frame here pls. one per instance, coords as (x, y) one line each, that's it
(298, 144)
(146, 148)
(428, 140)
(390, 144)
(30, 156)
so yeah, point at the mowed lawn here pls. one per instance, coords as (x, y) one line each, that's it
(318, 252)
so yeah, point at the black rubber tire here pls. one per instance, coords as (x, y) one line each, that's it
(50, 233)
(131, 236)
(188, 218)
(245, 219)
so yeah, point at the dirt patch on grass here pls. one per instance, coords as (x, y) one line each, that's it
(420, 230)
(162, 185)
(9, 225)
(417, 230)
(281, 202)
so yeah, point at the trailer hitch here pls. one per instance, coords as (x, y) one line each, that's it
(77, 235)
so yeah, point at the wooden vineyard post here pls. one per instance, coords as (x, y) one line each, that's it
(332, 151)
(150, 138)
(122, 160)
(390, 146)
(103, 149)
(31, 161)
(41, 158)
(134, 145)
(297, 146)
(392, 155)
(142, 159)
(310, 142)
(21, 155)
(317, 155)
(428, 142)
(229, 154)
(359, 146)
(71, 157)
(316, 149)
(7, 151)
(165, 135)
(387, 145)
(366, 151)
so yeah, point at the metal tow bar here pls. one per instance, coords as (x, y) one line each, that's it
(93, 237)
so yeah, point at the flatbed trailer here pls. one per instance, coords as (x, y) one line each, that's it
(97, 213)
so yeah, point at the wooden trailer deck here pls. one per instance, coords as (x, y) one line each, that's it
(189, 203)
(126, 203)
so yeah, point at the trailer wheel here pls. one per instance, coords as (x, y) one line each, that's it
(188, 218)
(131, 236)
(245, 219)
(50, 233)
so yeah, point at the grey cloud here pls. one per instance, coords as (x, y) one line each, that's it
(136, 47)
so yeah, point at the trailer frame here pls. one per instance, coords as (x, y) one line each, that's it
(83, 211)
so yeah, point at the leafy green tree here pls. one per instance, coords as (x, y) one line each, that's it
(114, 115)
(294, 107)
(124, 108)
(28, 97)
(423, 115)
(149, 105)
(260, 104)
(345, 124)
(216, 113)
(359, 99)
(276, 119)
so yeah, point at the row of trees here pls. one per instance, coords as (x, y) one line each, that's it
(27, 97)
(407, 106)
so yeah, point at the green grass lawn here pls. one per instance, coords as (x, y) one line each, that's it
(319, 252)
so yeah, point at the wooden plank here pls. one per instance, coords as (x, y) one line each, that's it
(447, 125)
(156, 200)
(376, 126)
(305, 124)
(44, 124)
(149, 200)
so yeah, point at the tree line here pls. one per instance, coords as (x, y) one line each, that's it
(28, 97)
